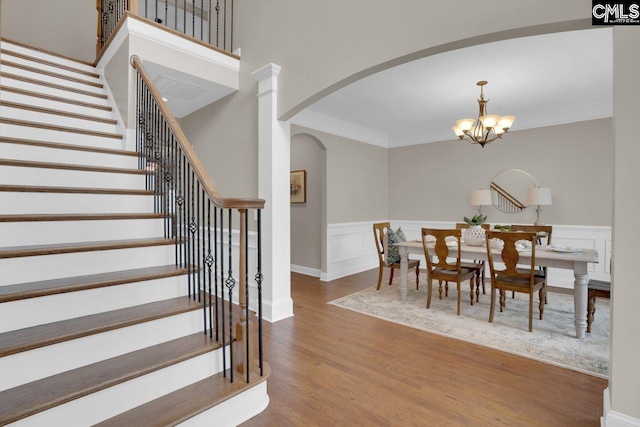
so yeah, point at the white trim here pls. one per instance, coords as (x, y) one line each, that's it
(146, 31)
(351, 248)
(318, 121)
(307, 271)
(615, 419)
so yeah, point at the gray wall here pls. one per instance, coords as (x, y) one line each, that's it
(433, 181)
(117, 74)
(307, 218)
(67, 27)
(356, 178)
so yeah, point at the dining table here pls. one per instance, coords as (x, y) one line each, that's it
(544, 257)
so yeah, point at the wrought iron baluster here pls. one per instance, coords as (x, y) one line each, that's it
(193, 18)
(224, 27)
(166, 12)
(224, 342)
(193, 228)
(209, 262)
(188, 226)
(201, 19)
(231, 31)
(247, 338)
(259, 282)
(184, 16)
(209, 23)
(202, 271)
(230, 285)
(215, 271)
(197, 240)
(218, 23)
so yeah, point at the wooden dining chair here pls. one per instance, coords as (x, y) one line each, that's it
(542, 231)
(380, 234)
(439, 268)
(478, 266)
(512, 278)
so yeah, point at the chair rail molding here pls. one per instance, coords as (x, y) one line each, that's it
(351, 247)
(274, 153)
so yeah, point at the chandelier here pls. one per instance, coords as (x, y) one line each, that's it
(487, 128)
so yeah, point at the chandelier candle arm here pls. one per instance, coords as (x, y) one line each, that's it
(487, 128)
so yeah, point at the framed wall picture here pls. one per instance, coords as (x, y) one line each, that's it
(298, 186)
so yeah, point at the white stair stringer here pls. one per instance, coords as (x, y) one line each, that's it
(68, 156)
(31, 233)
(5, 44)
(57, 358)
(16, 202)
(92, 409)
(60, 105)
(45, 267)
(69, 305)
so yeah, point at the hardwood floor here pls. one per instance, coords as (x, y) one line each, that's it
(335, 367)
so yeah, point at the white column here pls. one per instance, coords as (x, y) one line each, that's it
(274, 152)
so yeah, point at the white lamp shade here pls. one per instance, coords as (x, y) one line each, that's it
(465, 124)
(505, 122)
(458, 131)
(489, 121)
(539, 196)
(480, 198)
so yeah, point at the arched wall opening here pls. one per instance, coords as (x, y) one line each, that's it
(309, 219)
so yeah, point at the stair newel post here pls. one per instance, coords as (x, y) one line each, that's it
(242, 327)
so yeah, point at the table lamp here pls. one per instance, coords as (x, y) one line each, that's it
(480, 198)
(541, 197)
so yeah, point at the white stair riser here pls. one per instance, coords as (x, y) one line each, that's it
(26, 132)
(45, 56)
(51, 232)
(44, 267)
(55, 105)
(51, 79)
(234, 411)
(54, 359)
(49, 68)
(72, 157)
(56, 203)
(54, 119)
(35, 87)
(17, 175)
(54, 308)
(107, 403)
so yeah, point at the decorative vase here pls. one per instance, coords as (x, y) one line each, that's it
(474, 236)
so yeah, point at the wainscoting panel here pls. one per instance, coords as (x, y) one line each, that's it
(351, 248)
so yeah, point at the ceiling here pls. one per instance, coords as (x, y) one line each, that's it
(542, 80)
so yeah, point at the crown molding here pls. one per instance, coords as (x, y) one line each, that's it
(318, 121)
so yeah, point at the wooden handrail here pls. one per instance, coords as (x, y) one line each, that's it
(207, 184)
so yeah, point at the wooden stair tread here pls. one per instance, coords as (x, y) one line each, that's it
(25, 339)
(66, 248)
(58, 128)
(46, 165)
(179, 406)
(51, 74)
(73, 190)
(40, 395)
(4, 88)
(91, 281)
(55, 112)
(61, 146)
(77, 217)
(52, 85)
(49, 63)
(45, 51)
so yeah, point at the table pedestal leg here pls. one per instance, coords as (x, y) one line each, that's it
(580, 298)
(404, 271)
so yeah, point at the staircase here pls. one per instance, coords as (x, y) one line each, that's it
(96, 322)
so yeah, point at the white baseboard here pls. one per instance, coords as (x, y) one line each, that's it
(275, 311)
(307, 271)
(615, 419)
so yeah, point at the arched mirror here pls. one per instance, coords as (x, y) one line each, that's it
(509, 190)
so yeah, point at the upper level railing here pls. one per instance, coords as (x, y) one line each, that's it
(194, 216)
(210, 21)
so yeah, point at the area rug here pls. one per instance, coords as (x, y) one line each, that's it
(552, 340)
